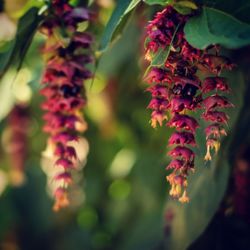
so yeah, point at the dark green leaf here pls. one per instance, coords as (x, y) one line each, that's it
(216, 27)
(25, 31)
(239, 9)
(122, 10)
(6, 55)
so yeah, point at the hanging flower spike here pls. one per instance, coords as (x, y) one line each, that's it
(214, 102)
(18, 121)
(217, 84)
(176, 85)
(215, 130)
(176, 88)
(66, 53)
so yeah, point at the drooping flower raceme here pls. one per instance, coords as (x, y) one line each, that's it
(177, 91)
(66, 54)
(17, 144)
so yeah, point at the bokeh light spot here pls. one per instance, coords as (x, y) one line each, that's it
(119, 189)
(87, 218)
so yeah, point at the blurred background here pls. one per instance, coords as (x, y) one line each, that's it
(120, 199)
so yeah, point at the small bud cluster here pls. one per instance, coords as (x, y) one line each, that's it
(177, 91)
(66, 54)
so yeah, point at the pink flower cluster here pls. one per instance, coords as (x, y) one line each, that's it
(177, 91)
(66, 54)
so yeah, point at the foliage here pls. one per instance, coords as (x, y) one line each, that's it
(216, 27)
(17, 48)
(116, 22)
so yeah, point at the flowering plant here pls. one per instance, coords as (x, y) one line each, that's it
(181, 65)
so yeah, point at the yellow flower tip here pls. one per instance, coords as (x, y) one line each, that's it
(216, 146)
(185, 183)
(208, 156)
(158, 119)
(175, 190)
(172, 190)
(184, 198)
(153, 123)
(170, 178)
(148, 56)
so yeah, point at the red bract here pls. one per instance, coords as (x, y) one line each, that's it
(175, 164)
(182, 138)
(159, 91)
(158, 75)
(178, 104)
(216, 101)
(215, 116)
(182, 152)
(66, 54)
(215, 130)
(159, 104)
(215, 83)
(183, 122)
(177, 91)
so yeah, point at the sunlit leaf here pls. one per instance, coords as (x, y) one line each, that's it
(25, 31)
(160, 2)
(121, 13)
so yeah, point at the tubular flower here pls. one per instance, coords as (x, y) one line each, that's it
(66, 54)
(177, 91)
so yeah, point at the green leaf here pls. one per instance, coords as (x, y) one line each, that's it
(182, 10)
(162, 54)
(185, 7)
(239, 9)
(18, 47)
(216, 27)
(160, 2)
(121, 12)
(161, 57)
(207, 186)
(187, 4)
(81, 27)
(29, 4)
